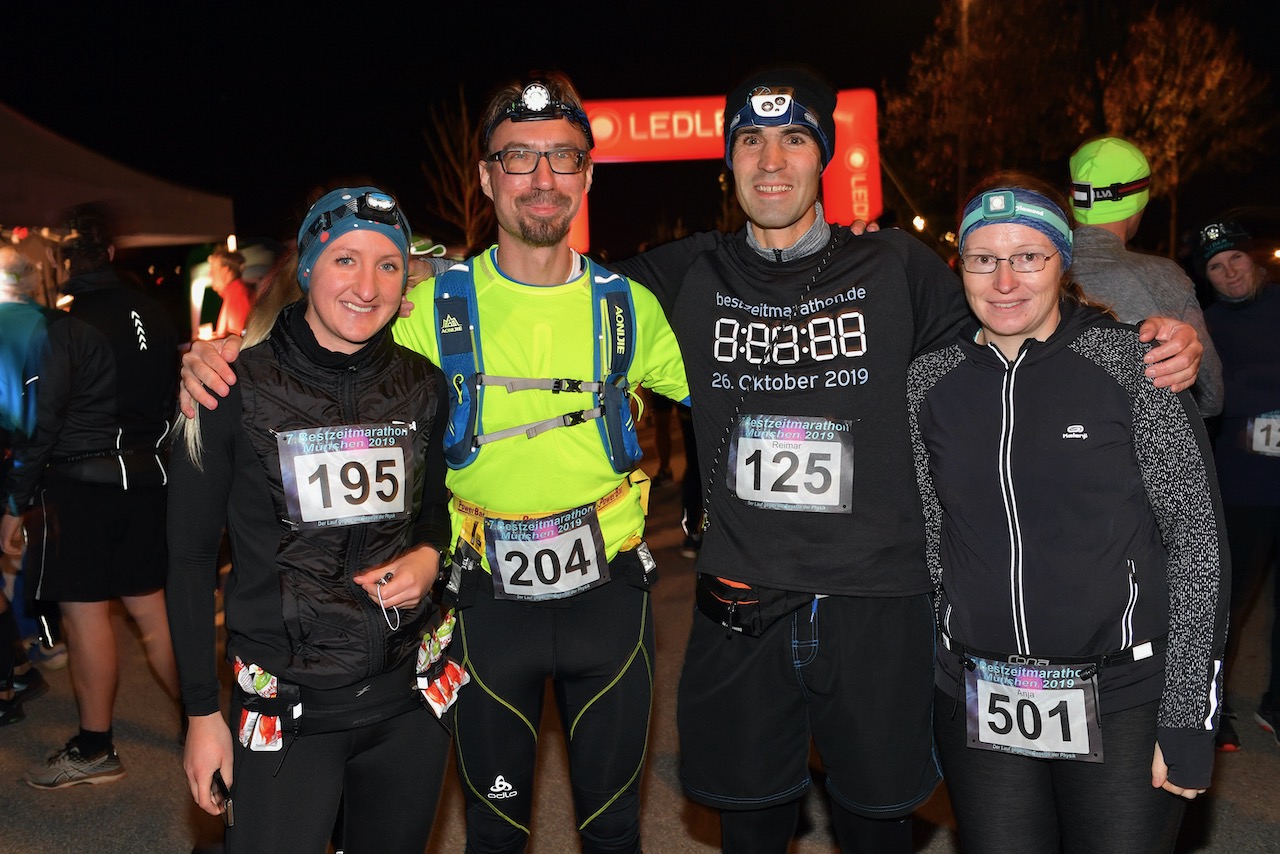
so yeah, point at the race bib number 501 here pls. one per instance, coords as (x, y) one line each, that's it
(346, 475)
(792, 462)
(1034, 708)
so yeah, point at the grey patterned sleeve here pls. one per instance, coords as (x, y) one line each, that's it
(924, 373)
(1172, 450)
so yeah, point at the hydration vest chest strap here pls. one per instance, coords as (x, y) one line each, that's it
(458, 340)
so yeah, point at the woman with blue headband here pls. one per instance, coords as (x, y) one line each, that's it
(326, 465)
(1075, 538)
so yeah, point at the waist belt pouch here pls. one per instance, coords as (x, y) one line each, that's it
(377, 698)
(279, 706)
(743, 608)
(638, 567)
(113, 469)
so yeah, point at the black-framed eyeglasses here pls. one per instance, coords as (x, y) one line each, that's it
(1020, 262)
(522, 161)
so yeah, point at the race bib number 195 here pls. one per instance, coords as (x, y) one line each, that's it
(346, 475)
(792, 462)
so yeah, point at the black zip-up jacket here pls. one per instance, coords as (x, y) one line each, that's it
(291, 605)
(106, 393)
(1072, 510)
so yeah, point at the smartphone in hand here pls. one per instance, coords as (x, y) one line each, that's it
(222, 798)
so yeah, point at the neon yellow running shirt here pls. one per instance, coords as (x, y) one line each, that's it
(537, 331)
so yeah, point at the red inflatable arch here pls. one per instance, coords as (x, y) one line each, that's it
(655, 129)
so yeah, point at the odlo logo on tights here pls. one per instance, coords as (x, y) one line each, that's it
(501, 788)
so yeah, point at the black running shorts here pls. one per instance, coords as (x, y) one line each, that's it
(90, 542)
(852, 675)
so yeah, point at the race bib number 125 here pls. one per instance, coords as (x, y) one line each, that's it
(792, 462)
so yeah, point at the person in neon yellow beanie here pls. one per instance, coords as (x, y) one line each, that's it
(1110, 188)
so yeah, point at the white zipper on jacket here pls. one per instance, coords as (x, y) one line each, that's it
(1017, 596)
(1126, 621)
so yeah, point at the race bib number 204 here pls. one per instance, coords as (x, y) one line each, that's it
(792, 462)
(348, 474)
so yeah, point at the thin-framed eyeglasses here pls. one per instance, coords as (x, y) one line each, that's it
(1019, 262)
(522, 161)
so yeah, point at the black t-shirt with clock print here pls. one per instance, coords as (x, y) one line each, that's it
(797, 373)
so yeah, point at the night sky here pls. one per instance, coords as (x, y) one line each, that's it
(264, 106)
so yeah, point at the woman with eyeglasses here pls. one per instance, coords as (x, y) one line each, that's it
(326, 464)
(1075, 537)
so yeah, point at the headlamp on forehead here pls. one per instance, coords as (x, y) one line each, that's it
(371, 206)
(775, 108)
(536, 104)
(1018, 206)
(349, 209)
(999, 204)
(770, 105)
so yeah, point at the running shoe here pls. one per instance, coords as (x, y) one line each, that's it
(1268, 717)
(29, 685)
(68, 767)
(11, 710)
(1226, 739)
(663, 478)
(53, 657)
(692, 545)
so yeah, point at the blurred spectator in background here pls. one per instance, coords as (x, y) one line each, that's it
(1110, 188)
(22, 334)
(92, 484)
(225, 270)
(661, 409)
(692, 516)
(1242, 321)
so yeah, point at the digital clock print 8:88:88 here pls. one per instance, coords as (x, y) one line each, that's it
(821, 338)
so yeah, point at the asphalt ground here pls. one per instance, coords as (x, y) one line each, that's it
(150, 809)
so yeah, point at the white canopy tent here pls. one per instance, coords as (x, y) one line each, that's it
(42, 175)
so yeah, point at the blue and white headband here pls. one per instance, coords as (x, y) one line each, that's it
(1018, 206)
(346, 209)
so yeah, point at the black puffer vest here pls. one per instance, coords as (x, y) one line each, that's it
(337, 634)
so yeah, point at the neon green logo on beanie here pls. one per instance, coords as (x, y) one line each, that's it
(1110, 180)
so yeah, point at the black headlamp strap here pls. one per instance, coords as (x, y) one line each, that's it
(1084, 194)
(326, 219)
(536, 104)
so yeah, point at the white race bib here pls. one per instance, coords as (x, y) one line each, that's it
(1263, 434)
(547, 557)
(792, 462)
(1034, 709)
(348, 474)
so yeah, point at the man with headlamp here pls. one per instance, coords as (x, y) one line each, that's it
(550, 571)
(1110, 188)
